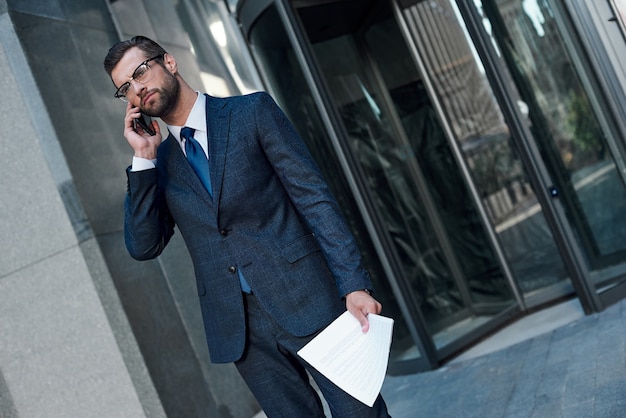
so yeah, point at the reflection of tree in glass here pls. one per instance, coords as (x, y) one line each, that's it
(493, 164)
(586, 132)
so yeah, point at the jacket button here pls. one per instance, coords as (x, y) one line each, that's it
(232, 269)
(223, 232)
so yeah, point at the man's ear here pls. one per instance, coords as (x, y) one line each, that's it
(170, 63)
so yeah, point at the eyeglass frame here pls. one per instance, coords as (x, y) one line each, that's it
(123, 97)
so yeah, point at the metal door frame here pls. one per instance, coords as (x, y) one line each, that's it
(383, 244)
(553, 210)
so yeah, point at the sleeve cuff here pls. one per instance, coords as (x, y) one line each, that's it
(141, 164)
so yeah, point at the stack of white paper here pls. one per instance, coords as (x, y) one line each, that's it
(353, 360)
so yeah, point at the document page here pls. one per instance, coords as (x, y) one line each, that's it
(354, 361)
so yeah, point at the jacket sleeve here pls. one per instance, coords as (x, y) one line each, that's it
(148, 225)
(311, 196)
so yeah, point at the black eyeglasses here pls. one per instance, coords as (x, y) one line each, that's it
(142, 74)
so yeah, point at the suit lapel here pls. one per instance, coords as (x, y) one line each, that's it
(218, 125)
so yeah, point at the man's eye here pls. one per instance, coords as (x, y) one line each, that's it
(124, 88)
(141, 71)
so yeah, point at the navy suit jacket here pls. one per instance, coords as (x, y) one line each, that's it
(271, 215)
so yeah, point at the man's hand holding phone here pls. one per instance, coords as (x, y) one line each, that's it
(144, 123)
(144, 137)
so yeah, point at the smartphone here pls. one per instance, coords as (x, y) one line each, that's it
(145, 123)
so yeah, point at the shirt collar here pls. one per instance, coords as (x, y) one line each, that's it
(196, 119)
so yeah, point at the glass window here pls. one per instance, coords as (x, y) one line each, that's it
(566, 127)
(285, 79)
(419, 196)
(619, 8)
(484, 139)
(222, 58)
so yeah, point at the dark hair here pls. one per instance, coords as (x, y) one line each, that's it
(117, 51)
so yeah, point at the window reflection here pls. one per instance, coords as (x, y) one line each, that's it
(564, 125)
(225, 66)
(619, 8)
(415, 184)
(484, 139)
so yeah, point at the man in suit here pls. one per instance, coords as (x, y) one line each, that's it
(274, 260)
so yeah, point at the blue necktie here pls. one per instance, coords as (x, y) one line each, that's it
(197, 158)
(200, 164)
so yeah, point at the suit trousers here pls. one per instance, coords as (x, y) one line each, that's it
(278, 378)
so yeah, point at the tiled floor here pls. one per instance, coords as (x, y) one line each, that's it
(527, 327)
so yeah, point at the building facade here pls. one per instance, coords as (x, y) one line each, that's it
(476, 147)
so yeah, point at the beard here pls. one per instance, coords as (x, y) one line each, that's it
(167, 97)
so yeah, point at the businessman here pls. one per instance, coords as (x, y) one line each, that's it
(274, 260)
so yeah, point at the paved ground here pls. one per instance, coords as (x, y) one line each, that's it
(576, 370)
(556, 363)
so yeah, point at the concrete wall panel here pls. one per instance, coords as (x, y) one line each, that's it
(31, 204)
(58, 354)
